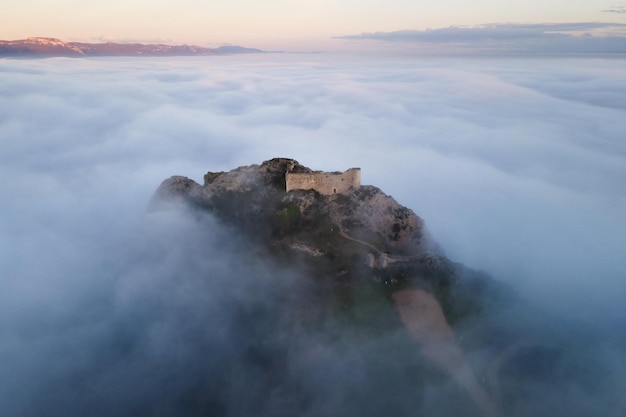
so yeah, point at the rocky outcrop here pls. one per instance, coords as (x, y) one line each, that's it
(255, 200)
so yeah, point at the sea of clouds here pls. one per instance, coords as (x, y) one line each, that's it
(517, 166)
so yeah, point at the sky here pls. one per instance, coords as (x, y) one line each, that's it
(516, 165)
(289, 25)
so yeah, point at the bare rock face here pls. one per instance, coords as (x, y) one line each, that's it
(177, 188)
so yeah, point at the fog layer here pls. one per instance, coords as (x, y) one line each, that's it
(517, 166)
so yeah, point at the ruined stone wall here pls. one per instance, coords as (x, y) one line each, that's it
(324, 182)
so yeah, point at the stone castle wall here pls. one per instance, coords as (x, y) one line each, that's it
(324, 182)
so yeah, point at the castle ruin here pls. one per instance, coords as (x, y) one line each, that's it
(327, 183)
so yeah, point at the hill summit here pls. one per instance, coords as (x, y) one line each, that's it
(344, 231)
(323, 217)
(375, 259)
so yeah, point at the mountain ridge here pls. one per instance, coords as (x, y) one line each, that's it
(53, 47)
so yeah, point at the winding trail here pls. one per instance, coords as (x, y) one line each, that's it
(343, 234)
(390, 258)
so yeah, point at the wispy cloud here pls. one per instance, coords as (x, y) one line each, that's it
(549, 37)
(615, 9)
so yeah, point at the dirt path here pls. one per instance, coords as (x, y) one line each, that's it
(390, 258)
(424, 319)
(345, 235)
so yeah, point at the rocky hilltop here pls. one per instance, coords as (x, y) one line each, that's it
(374, 257)
(347, 234)
(361, 235)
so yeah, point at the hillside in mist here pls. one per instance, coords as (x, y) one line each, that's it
(372, 282)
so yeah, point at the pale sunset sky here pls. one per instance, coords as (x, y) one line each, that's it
(288, 24)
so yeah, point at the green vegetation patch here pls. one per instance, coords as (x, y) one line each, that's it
(287, 220)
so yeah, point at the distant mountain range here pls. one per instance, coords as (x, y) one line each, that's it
(52, 47)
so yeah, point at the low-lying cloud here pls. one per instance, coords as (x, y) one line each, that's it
(615, 9)
(579, 37)
(516, 165)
